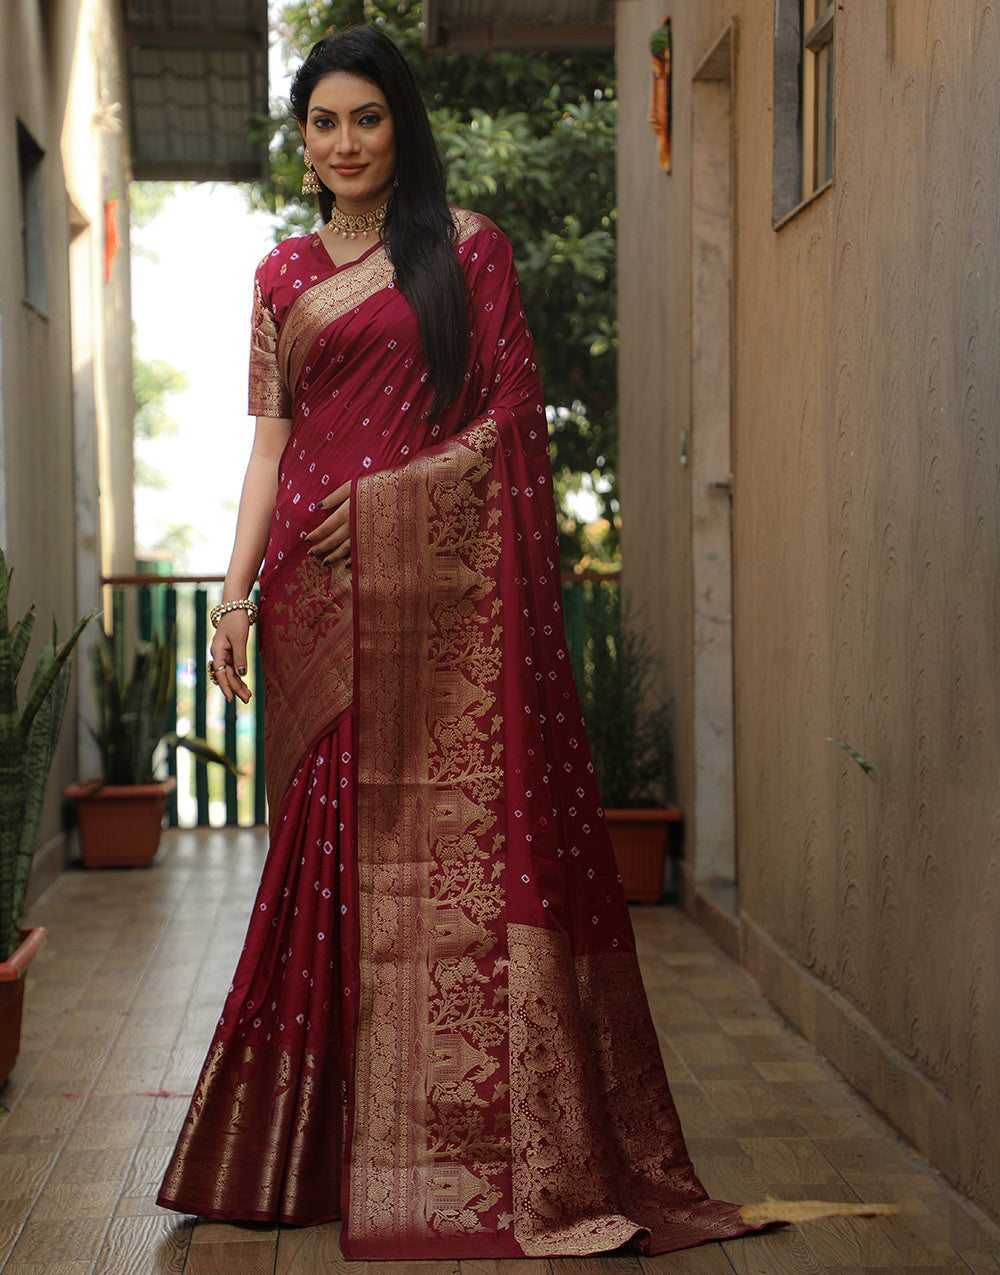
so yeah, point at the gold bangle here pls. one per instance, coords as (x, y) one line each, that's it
(240, 604)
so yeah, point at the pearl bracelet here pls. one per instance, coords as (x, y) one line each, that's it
(240, 604)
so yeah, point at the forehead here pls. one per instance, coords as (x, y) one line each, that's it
(342, 92)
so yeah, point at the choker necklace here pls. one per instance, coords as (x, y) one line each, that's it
(350, 225)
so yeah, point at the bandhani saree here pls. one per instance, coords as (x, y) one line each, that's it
(437, 1030)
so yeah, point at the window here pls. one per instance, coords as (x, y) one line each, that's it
(817, 94)
(31, 177)
(803, 102)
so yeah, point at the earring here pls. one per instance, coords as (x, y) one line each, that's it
(310, 182)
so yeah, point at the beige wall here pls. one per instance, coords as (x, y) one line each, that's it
(866, 455)
(65, 412)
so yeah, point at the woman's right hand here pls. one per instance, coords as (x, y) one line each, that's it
(229, 654)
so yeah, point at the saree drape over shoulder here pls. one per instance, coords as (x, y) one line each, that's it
(437, 1030)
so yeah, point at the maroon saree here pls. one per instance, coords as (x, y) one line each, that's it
(437, 1030)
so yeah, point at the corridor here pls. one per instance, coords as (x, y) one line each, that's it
(124, 997)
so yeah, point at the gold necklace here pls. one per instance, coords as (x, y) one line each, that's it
(350, 225)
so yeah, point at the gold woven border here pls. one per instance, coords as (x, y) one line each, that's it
(429, 1155)
(309, 669)
(269, 394)
(566, 1165)
(312, 312)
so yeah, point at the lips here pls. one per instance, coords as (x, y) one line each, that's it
(348, 170)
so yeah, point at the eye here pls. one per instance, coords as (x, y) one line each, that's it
(322, 123)
(370, 120)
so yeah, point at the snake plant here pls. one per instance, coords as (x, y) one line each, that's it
(28, 738)
(628, 723)
(134, 714)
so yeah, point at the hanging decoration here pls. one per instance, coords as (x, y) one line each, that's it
(660, 96)
(111, 240)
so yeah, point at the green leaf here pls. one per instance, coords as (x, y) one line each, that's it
(531, 169)
(39, 750)
(27, 743)
(203, 750)
(854, 755)
(20, 637)
(42, 681)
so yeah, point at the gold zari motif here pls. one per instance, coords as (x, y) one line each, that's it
(599, 1157)
(431, 1055)
(309, 669)
(316, 308)
(256, 1108)
(269, 394)
(566, 1175)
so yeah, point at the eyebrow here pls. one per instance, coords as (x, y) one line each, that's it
(326, 110)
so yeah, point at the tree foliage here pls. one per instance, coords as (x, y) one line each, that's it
(527, 138)
(153, 382)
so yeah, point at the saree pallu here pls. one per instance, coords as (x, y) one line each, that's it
(437, 1030)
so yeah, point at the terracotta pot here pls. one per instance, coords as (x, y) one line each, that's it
(639, 839)
(120, 825)
(13, 974)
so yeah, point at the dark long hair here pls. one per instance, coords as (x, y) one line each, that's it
(419, 231)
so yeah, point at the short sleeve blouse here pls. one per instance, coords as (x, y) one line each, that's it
(269, 395)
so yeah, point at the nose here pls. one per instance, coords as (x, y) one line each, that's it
(345, 140)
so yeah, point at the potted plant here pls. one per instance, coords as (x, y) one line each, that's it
(120, 815)
(630, 736)
(28, 738)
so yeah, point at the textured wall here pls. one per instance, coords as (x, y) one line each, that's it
(65, 398)
(866, 551)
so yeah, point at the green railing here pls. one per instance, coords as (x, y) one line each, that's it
(178, 607)
(582, 594)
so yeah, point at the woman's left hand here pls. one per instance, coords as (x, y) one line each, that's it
(330, 541)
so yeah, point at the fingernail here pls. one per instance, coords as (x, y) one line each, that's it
(307, 539)
(319, 504)
(241, 670)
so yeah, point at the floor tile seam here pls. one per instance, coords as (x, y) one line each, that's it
(841, 1178)
(155, 952)
(80, 1115)
(646, 1269)
(965, 1264)
(212, 925)
(935, 1179)
(809, 1049)
(880, 1134)
(12, 1254)
(857, 1103)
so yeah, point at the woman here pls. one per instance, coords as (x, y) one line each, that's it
(437, 1030)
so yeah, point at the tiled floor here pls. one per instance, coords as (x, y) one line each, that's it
(124, 997)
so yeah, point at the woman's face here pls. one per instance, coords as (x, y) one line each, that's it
(351, 137)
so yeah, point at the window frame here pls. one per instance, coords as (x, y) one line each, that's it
(817, 94)
(34, 248)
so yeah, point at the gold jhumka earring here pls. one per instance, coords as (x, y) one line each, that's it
(310, 182)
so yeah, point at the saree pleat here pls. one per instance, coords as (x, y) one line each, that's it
(264, 1137)
(437, 1030)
